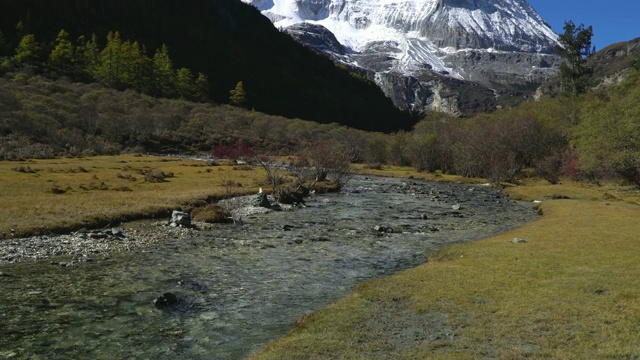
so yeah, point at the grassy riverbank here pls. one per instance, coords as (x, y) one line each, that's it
(58, 195)
(569, 291)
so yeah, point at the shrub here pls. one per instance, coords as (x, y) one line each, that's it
(94, 186)
(330, 161)
(156, 176)
(126, 176)
(211, 213)
(21, 148)
(238, 150)
(122, 188)
(422, 152)
(55, 189)
(550, 168)
(608, 136)
(243, 168)
(24, 169)
(571, 164)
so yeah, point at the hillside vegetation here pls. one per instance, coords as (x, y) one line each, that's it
(42, 118)
(592, 137)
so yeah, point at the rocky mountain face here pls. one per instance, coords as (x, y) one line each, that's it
(612, 63)
(429, 54)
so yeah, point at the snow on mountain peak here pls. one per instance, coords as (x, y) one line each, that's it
(420, 32)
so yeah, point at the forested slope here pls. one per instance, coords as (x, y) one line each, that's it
(229, 42)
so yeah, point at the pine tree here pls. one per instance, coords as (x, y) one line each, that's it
(185, 83)
(576, 48)
(62, 56)
(135, 66)
(87, 57)
(164, 76)
(111, 61)
(202, 87)
(27, 51)
(238, 96)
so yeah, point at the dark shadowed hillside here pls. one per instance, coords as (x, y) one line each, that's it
(229, 42)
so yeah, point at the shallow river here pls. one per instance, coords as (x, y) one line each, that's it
(240, 287)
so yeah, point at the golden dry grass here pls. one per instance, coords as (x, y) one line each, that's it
(569, 292)
(41, 196)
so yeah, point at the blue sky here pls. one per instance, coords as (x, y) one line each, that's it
(612, 20)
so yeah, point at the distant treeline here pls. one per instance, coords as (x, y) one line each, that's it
(121, 64)
(43, 118)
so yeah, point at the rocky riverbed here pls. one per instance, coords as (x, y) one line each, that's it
(86, 245)
(91, 294)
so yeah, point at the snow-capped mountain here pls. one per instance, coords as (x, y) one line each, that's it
(483, 41)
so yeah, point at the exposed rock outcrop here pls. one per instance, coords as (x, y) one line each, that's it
(455, 56)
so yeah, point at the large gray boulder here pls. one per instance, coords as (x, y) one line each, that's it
(180, 219)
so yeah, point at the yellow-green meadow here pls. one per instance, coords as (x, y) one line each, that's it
(57, 195)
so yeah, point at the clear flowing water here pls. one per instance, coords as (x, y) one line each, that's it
(239, 287)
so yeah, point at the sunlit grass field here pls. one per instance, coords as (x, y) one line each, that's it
(57, 195)
(571, 291)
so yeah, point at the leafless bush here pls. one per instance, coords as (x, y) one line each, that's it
(550, 168)
(398, 149)
(229, 186)
(497, 148)
(422, 153)
(303, 172)
(330, 161)
(275, 177)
